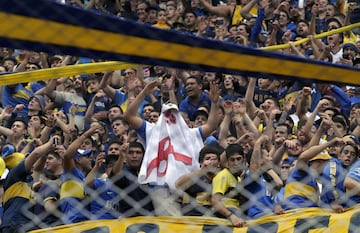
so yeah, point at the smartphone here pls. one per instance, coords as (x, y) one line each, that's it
(346, 56)
(219, 22)
(56, 141)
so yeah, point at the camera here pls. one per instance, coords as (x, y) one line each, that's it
(276, 17)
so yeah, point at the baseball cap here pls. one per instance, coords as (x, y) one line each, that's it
(41, 100)
(321, 156)
(169, 106)
(351, 46)
(55, 58)
(201, 113)
(82, 153)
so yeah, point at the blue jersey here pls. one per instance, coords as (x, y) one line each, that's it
(189, 108)
(102, 104)
(260, 200)
(49, 191)
(301, 190)
(104, 206)
(354, 173)
(16, 95)
(17, 196)
(72, 195)
(333, 186)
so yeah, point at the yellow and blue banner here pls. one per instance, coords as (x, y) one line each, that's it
(43, 25)
(314, 220)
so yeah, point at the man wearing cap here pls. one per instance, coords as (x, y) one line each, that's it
(350, 52)
(77, 165)
(302, 189)
(36, 105)
(162, 132)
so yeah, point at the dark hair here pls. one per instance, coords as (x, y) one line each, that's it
(10, 59)
(233, 149)
(23, 120)
(276, 101)
(93, 77)
(122, 119)
(289, 130)
(303, 21)
(116, 106)
(208, 150)
(41, 117)
(339, 118)
(114, 141)
(35, 64)
(137, 145)
(189, 11)
(247, 27)
(353, 146)
(198, 80)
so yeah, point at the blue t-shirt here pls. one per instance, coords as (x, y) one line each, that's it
(189, 108)
(105, 204)
(354, 173)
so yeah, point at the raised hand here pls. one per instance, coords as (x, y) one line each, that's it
(214, 93)
(228, 107)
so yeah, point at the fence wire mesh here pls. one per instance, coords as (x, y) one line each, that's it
(238, 150)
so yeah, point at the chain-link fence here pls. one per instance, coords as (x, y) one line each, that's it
(197, 129)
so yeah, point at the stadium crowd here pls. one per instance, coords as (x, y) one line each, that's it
(72, 148)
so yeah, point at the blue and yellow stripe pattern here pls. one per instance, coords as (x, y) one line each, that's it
(56, 28)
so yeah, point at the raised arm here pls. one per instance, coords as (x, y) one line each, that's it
(225, 124)
(105, 84)
(185, 181)
(117, 168)
(315, 150)
(213, 121)
(131, 114)
(37, 152)
(69, 163)
(249, 97)
(49, 89)
(91, 176)
(225, 11)
(90, 110)
(245, 11)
